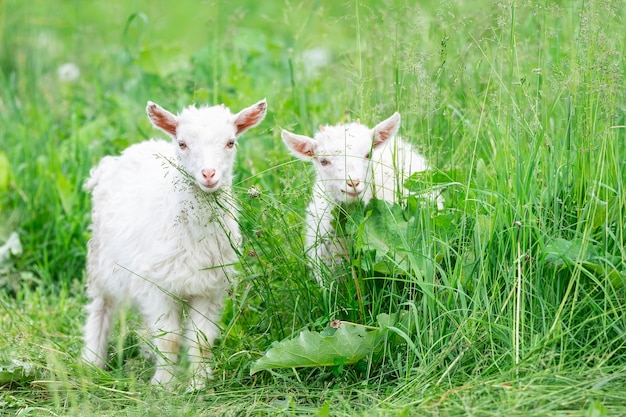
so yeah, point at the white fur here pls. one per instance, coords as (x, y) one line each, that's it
(352, 163)
(165, 235)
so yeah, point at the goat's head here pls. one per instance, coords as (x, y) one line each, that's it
(205, 139)
(342, 155)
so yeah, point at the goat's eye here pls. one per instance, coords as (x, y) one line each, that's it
(182, 145)
(324, 162)
(230, 143)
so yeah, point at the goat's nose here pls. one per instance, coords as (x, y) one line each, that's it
(207, 174)
(353, 183)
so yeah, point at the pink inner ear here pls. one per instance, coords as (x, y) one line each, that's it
(250, 118)
(303, 147)
(244, 122)
(382, 135)
(163, 119)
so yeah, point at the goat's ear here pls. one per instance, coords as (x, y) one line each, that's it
(250, 116)
(386, 129)
(162, 119)
(302, 147)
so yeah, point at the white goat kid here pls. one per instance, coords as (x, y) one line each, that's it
(352, 163)
(165, 234)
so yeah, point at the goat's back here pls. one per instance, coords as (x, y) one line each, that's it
(393, 163)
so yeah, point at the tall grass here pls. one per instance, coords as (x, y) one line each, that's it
(511, 298)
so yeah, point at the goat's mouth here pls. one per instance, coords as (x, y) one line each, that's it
(209, 185)
(352, 194)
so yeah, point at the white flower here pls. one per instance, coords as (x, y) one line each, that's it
(68, 72)
(315, 59)
(254, 191)
(12, 246)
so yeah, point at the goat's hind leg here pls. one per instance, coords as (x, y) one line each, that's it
(98, 330)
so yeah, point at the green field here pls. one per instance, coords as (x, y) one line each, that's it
(510, 301)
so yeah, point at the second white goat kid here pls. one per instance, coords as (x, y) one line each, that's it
(352, 163)
(165, 235)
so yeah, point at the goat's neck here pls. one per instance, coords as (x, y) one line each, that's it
(199, 209)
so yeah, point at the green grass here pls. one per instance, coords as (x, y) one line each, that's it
(512, 298)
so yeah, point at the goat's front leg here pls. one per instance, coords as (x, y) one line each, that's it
(162, 316)
(201, 331)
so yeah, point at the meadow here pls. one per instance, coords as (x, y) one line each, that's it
(511, 300)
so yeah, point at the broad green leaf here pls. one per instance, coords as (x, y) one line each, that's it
(384, 239)
(395, 240)
(417, 181)
(444, 222)
(346, 345)
(382, 229)
(562, 252)
(385, 227)
(16, 371)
